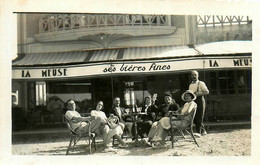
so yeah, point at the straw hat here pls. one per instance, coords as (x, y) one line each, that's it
(193, 96)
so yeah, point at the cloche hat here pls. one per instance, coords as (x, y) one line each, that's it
(188, 92)
(167, 94)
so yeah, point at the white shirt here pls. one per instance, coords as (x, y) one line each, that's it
(194, 87)
(100, 114)
(70, 114)
(146, 108)
(118, 110)
(188, 107)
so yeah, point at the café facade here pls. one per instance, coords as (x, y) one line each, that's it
(132, 74)
(95, 56)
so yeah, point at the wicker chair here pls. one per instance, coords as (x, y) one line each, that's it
(189, 118)
(75, 137)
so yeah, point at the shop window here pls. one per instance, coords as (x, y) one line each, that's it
(244, 81)
(134, 93)
(226, 82)
(78, 91)
(213, 83)
(72, 87)
(40, 93)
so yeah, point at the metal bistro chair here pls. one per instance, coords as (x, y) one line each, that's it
(189, 126)
(75, 137)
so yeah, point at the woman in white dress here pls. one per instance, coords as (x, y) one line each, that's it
(160, 128)
(106, 129)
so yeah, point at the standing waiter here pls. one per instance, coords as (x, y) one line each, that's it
(200, 89)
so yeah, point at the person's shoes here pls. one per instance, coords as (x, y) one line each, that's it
(109, 149)
(160, 145)
(146, 143)
(204, 133)
(155, 139)
(197, 135)
(123, 146)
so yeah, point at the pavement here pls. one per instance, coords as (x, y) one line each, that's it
(38, 135)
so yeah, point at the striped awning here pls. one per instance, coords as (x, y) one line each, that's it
(52, 58)
(158, 52)
(137, 53)
(103, 55)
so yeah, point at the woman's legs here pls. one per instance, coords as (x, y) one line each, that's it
(153, 131)
(104, 132)
(129, 126)
(144, 128)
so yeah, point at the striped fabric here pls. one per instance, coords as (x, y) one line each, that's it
(226, 47)
(52, 58)
(104, 55)
(158, 52)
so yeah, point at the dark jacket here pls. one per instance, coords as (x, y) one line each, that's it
(166, 108)
(149, 111)
(122, 117)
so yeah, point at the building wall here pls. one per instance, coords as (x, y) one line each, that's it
(31, 41)
(186, 32)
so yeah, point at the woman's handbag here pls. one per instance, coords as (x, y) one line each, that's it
(113, 122)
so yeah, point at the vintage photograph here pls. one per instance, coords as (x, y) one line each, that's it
(132, 85)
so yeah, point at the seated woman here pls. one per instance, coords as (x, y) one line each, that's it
(105, 130)
(160, 128)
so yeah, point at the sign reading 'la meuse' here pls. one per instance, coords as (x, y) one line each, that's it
(130, 68)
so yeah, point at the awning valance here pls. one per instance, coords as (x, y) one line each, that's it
(137, 53)
(103, 55)
(132, 61)
(51, 58)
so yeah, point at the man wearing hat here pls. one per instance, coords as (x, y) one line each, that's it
(164, 123)
(170, 105)
(200, 89)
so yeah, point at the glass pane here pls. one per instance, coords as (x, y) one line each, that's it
(222, 82)
(222, 74)
(78, 91)
(241, 82)
(213, 83)
(230, 81)
(248, 80)
(222, 86)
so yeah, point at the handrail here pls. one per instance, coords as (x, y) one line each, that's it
(61, 22)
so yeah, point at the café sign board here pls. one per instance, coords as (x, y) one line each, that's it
(132, 67)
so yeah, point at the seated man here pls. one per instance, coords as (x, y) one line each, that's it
(164, 124)
(105, 130)
(170, 105)
(78, 123)
(121, 114)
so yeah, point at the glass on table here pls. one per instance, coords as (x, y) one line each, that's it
(139, 109)
(127, 110)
